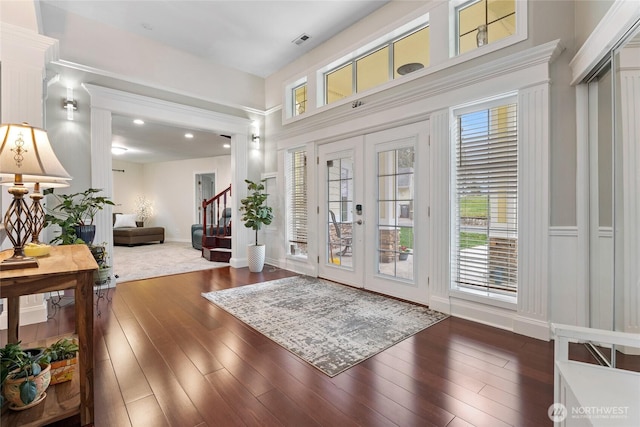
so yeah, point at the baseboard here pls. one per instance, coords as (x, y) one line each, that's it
(533, 328)
(441, 304)
(488, 315)
(238, 262)
(28, 315)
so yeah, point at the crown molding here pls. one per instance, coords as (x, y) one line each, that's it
(146, 83)
(129, 103)
(18, 41)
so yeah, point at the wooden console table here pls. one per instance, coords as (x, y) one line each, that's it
(66, 267)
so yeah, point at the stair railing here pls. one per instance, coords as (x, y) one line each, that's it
(213, 204)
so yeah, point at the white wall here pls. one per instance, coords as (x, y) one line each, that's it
(171, 187)
(128, 186)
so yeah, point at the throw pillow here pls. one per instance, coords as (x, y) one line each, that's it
(125, 221)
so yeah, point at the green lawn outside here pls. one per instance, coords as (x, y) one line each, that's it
(474, 207)
(469, 240)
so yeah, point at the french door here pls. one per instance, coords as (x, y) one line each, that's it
(373, 214)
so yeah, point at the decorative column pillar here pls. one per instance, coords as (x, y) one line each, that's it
(439, 176)
(532, 318)
(24, 54)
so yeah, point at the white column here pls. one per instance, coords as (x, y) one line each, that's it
(24, 54)
(439, 177)
(101, 174)
(240, 151)
(532, 318)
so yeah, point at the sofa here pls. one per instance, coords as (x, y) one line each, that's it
(130, 236)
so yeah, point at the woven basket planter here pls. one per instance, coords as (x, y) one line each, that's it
(62, 370)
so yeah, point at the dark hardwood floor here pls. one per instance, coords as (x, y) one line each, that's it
(165, 356)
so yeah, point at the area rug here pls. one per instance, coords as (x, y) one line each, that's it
(158, 259)
(333, 327)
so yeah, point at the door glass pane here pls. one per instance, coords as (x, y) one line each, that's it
(340, 212)
(395, 213)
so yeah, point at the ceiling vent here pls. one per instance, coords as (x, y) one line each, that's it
(301, 39)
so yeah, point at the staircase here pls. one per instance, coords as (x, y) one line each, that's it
(216, 236)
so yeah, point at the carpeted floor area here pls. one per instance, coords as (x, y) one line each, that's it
(333, 327)
(154, 260)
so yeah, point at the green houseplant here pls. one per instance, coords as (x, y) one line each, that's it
(63, 356)
(74, 214)
(256, 214)
(25, 376)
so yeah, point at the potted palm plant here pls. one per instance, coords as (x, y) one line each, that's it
(74, 214)
(256, 214)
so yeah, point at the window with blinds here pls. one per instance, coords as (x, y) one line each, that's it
(485, 238)
(297, 202)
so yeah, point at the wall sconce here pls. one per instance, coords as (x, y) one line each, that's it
(256, 141)
(118, 150)
(25, 156)
(69, 104)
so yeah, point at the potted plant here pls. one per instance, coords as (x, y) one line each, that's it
(100, 254)
(256, 214)
(74, 214)
(63, 356)
(404, 253)
(25, 376)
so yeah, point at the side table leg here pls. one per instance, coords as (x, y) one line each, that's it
(13, 318)
(84, 326)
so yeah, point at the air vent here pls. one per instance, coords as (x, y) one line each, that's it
(301, 39)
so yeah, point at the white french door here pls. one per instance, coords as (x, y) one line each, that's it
(373, 214)
(341, 211)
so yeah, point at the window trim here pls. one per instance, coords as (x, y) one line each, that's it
(485, 296)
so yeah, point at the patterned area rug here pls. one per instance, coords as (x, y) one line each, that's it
(331, 326)
(155, 259)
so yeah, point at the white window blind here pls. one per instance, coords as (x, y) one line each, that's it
(297, 201)
(486, 193)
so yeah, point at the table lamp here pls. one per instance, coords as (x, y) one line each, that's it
(25, 153)
(36, 209)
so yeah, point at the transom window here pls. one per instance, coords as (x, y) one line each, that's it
(299, 99)
(390, 60)
(480, 22)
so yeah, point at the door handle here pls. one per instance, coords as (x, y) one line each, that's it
(359, 222)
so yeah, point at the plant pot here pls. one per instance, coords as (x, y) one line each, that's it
(101, 275)
(11, 389)
(86, 233)
(255, 257)
(62, 370)
(403, 256)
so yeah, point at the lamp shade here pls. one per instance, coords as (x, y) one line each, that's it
(26, 150)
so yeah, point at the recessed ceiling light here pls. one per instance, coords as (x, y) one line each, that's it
(188, 135)
(138, 122)
(118, 150)
(227, 145)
